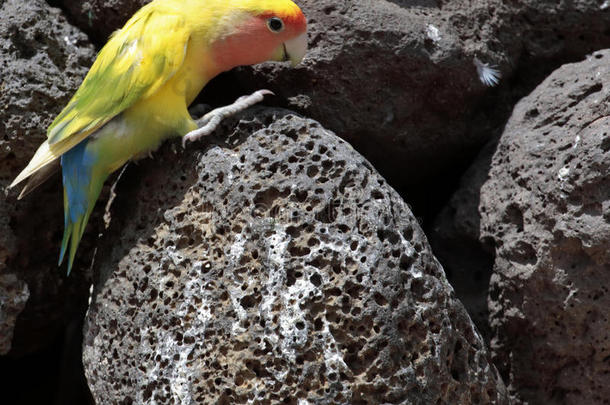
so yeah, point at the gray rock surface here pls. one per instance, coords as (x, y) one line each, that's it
(14, 293)
(546, 209)
(99, 18)
(276, 267)
(396, 78)
(42, 61)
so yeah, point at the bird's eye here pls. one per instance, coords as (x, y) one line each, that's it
(275, 24)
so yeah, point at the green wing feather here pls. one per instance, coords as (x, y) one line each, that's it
(132, 66)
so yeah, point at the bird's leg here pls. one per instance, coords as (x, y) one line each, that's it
(209, 122)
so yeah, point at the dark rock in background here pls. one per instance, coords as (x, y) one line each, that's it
(455, 240)
(14, 293)
(546, 209)
(42, 61)
(396, 79)
(99, 18)
(276, 267)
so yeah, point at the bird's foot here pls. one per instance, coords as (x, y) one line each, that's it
(209, 122)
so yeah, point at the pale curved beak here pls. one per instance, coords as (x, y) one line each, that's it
(295, 49)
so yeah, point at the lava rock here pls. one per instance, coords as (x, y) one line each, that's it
(393, 78)
(277, 266)
(99, 18)
(396, 78)
(42, 60)
(546, 209)
(14, 293)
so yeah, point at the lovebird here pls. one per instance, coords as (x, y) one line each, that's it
(138, 89)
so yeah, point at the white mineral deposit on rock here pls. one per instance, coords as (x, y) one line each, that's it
(576, 141)
(433, 33)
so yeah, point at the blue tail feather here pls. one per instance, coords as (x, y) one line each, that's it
(77, 167)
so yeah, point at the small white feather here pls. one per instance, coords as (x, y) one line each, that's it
(489, 75)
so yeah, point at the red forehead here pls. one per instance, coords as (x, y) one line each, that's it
(294, 20)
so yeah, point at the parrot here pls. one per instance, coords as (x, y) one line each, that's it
(137, 91)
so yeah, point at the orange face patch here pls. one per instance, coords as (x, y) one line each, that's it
(252, 41)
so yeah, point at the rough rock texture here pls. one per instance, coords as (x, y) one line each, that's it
(278, 267)
(99, 18)
(546, 208)
(42, 61)
(396, 77)
(14, 294)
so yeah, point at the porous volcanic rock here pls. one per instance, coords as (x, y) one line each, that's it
(396, 78)
(14, 293)
(546, 208)
(277, 267)
(99, 18)
(42, 61)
